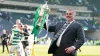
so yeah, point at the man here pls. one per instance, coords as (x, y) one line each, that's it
(26, 34)
(4, 38)
(68, 36)
(17, 34)
(25, 41)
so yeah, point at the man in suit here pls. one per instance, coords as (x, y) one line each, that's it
(68, 36)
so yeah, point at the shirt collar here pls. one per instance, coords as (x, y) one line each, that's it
(70, 22)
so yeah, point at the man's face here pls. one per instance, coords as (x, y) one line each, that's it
(17, 22)
(4, 31)
(69, 16)
(19, 25)
(25, 26)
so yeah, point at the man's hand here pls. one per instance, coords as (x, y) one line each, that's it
(69, 50)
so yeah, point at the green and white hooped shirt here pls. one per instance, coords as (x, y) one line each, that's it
(17, 36)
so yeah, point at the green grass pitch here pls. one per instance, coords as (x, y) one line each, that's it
(41, 50)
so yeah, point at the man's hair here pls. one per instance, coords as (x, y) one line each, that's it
(71, 10)
(18, 20)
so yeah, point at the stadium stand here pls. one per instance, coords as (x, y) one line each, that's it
(59, 2)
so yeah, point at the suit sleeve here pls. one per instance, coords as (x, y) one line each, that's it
(51, 28)
(80, 37)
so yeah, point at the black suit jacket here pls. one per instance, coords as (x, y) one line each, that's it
(73, 36)
(4, 38)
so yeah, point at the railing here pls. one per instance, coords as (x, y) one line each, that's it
(18, 3)
(17, 11)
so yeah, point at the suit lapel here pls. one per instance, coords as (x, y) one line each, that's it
(71, 24)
